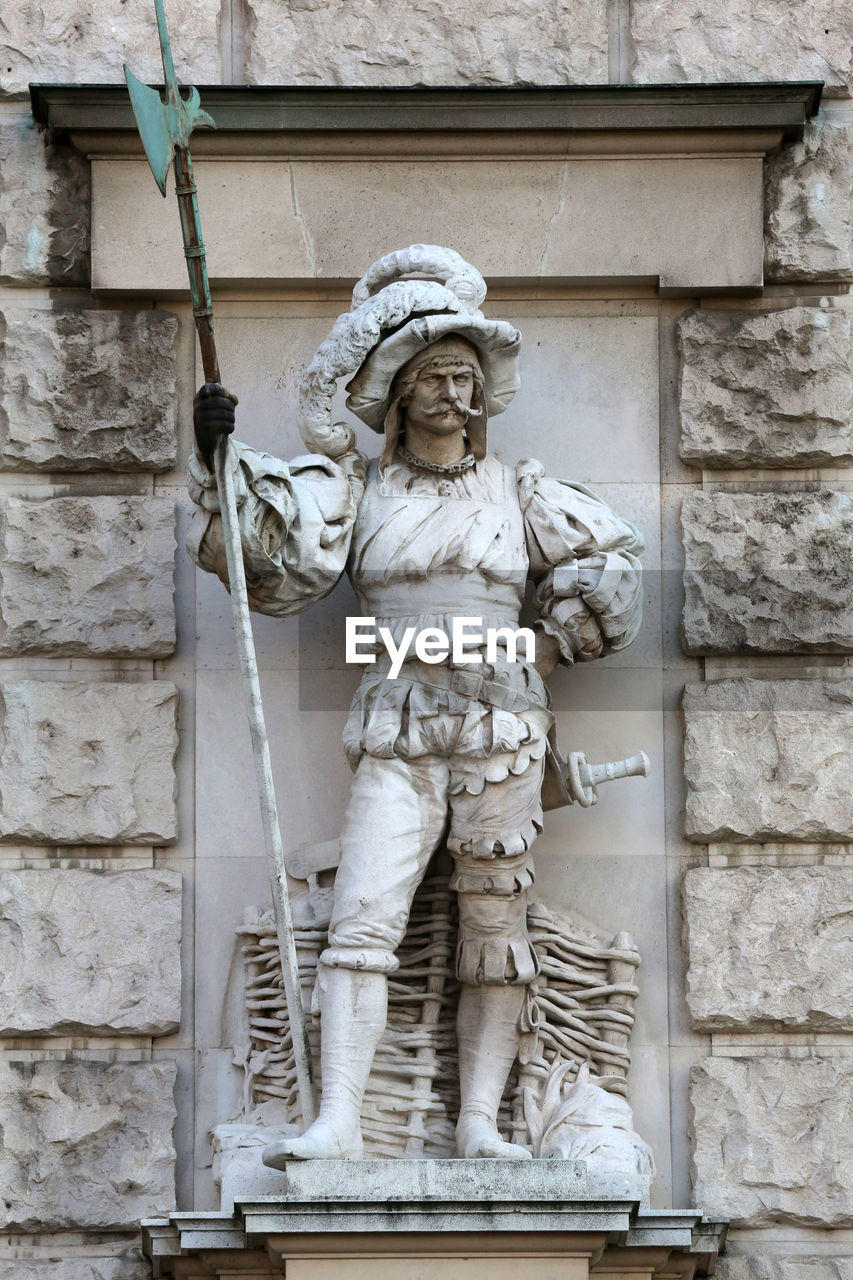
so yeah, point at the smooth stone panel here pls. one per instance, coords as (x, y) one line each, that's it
(455, 43)
(64, 42)
(772, 1141)
(768, 946)
(87, 390)
(85, 1144)
(44, 208)
(588, 406)
(766, 389)
(305, 714)
(768, 572)
(563, 1268)
(88, 763)
(672, 41)
(692, 223)
(768, 760)
(88, 576)
(808, 205)
(89, 953)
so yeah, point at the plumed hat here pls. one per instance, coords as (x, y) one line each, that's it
(392, 319)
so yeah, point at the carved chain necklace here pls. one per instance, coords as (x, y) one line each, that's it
(442, 468)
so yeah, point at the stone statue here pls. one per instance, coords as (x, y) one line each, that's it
(448, 748)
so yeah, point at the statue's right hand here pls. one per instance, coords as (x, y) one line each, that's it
(213, 418)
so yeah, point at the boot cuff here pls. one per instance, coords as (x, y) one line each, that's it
(496, 963)
(375, 961)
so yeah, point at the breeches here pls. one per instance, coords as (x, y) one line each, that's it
(395, 820)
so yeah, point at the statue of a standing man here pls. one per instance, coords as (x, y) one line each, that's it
(435, 528)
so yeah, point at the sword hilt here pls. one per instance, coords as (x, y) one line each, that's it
(584, 779)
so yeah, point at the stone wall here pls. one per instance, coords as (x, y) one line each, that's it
(764, 396)
(439, 42)
(98, 690)
(91, 883)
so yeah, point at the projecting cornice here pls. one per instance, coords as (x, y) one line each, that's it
(542, 120)
(628, 185)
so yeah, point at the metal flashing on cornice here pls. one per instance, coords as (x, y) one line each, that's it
(98, 118)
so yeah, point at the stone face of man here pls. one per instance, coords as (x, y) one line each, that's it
(439, 399)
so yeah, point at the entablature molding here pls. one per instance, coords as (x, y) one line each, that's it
(628, 185)
(577, 120)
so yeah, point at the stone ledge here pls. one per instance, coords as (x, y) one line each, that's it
(73, 111)
(439, 1210)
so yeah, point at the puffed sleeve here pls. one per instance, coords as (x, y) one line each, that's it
(584, 561)
(296, 522)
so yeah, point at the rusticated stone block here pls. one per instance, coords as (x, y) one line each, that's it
(87, 576)
(768, 572)
(781, 1267)
(673, 41)
(82, 390)
(85, 1144)
(772, 1140)
(128, 1265)
(44, 209)
(769, 945)
(88, 763)
(87, 44)
(432, 43)
(768, 760)
(89, 952)
(808, 206)
(770, 388)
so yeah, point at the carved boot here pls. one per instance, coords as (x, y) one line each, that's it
(353, 1009)
(487, 1030)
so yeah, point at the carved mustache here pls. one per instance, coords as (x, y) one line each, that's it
(445, 406)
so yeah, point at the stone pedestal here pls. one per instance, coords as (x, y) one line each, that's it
(445, 1219)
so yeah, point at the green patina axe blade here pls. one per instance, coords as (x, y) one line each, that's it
(148, 108)
(164, 125)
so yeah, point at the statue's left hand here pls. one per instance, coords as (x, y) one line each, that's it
(213, 417)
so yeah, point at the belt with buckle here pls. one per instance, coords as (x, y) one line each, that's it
(470, 684)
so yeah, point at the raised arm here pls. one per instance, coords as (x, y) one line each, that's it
(296, 519)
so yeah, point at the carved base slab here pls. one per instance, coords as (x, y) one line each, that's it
(471, 1219)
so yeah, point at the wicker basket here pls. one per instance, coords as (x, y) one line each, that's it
(585, 996)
